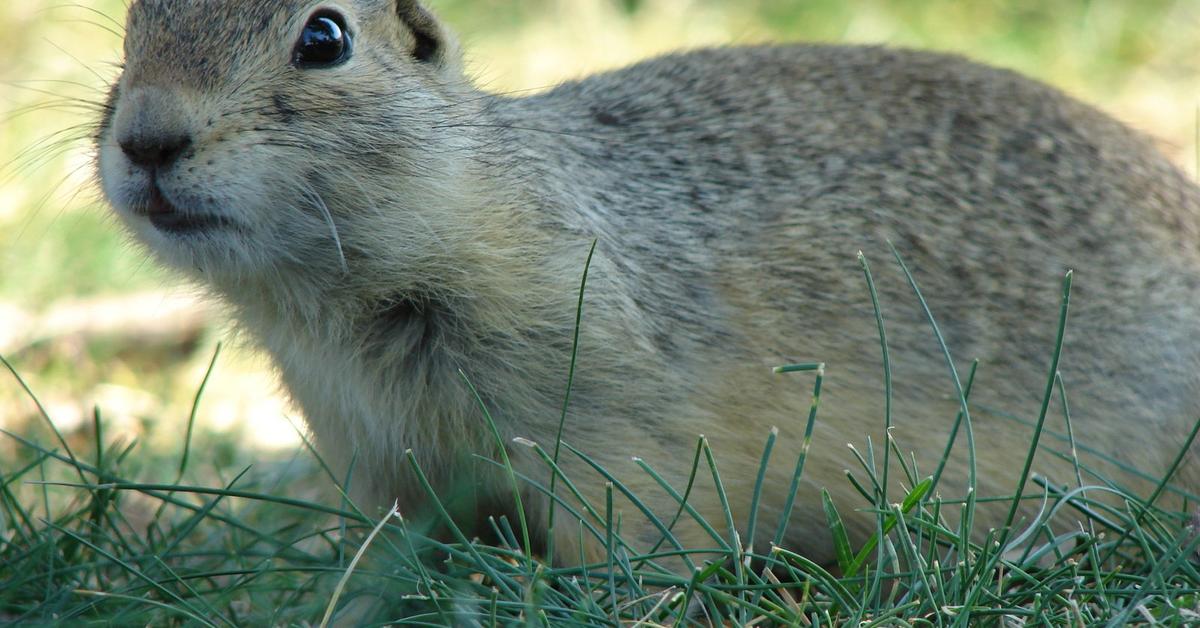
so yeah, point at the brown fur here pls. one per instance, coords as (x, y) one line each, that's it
(388, 225)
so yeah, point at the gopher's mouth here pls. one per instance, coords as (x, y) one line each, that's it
(167, 218)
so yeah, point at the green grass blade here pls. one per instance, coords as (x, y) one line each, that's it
(911, 500)
(1046, 397)
(562, 420)
(508, 468)
(756, 496)
(191, 423)
(44, 415)
(841, 542)
(964, 410)
(789, 503)
(479, 562)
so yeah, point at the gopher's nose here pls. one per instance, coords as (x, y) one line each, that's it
(152, 126)
(153, 152)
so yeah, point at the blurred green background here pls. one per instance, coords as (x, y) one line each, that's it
(88, 321)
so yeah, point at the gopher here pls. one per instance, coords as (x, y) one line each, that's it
(409, 250)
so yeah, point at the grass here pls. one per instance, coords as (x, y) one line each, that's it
(85, 538)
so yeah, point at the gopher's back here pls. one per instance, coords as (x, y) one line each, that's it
(732, 189)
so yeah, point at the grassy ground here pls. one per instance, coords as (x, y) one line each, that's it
(84, 540)
(111, 406)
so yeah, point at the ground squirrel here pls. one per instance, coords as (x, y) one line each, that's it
(377, 223)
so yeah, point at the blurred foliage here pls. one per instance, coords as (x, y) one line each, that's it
(48, 248)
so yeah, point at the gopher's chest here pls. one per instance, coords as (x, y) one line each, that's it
(364, 417)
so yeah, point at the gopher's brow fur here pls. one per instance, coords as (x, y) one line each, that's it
(384, 224)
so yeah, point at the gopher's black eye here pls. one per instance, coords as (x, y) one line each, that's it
(323, 43)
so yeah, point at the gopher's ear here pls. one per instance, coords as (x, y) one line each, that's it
(431, 43)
